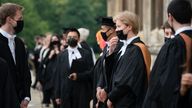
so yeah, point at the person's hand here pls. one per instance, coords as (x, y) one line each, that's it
(109, 104)
(103, 95)
(24, 104)
(112, 44)
(73, 76)
(186, 83)
(58, 101)
(51, 54)
(97, 104)
(98, 94)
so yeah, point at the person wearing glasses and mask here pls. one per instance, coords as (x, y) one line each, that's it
(100, 75)
(13, 51)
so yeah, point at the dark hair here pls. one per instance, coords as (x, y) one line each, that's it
(180, 10)
(108, 21)
(57, 43)
(166, 25)
(8, 10)
(73, 30)
(65, 30)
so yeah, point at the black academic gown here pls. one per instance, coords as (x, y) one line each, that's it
(19, 72)
(97, 70)
(165, 78)
(74, 94)
(8, 96)
(128, 83)
(87, 47)
(102, 75)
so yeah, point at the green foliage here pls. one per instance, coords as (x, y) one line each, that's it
(42, 16)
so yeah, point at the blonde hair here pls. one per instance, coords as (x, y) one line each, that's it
(128, 18)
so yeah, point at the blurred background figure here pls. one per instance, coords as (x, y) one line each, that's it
(36, 52)
(168, 31)
(63, 40)
(84, 33)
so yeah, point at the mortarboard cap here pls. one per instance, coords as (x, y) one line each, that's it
(108, 21)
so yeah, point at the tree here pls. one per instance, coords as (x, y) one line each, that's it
(43, 16)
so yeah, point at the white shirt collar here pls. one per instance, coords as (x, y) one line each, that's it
(128, 41)
(72, 49)
(125, 43)
(76, 54)
(7, 35)
(182, 29)
(79, 45)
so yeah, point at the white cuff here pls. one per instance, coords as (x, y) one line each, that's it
(27, 98)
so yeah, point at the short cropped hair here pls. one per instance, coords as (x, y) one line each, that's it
(8, 10)
(73, 30)
(129, 18)
(180, 10)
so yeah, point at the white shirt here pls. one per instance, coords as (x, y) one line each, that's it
(125, 44)
(11, 42)
(73, 53)
(182, 29)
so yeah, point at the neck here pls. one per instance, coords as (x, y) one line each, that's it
(8, 29)
(130, 35)
(178, 26)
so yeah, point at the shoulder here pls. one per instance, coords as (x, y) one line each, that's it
(83, 51)
(63, 53)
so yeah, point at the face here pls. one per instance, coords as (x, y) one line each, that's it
(54, 38)
(73, 35)
(168, 32)
(18, 17)
(105, 28)
(120, 25)
(72, 39)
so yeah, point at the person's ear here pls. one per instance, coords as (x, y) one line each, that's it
(129, 27)
(170, 17)
(8, 19)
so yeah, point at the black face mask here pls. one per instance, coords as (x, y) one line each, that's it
(120, 35)
(19, 27)
(72, 42)
(55, 42)
(104, 36)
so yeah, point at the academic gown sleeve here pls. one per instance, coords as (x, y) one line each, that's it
(57, 81)
(164, 83)
(8, 97)
(3, 77)
(62, 83)
(129, 76)
(85, 67)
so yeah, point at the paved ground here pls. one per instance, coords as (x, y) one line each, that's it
(36, 97)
